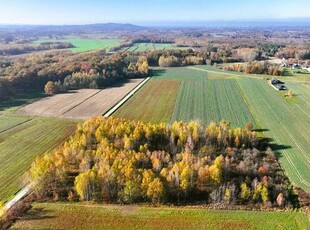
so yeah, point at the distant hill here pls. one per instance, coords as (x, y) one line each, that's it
(59, 29)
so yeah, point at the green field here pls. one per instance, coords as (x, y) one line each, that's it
(82, 45)
(88, 216)
(291, 77)
(197, 97)
(288, 125)
(143, 47)
(286, 122)
(211, 100)
(158, 102)
(25, 140)
(7, 122)
(21, 139)
(209, 94)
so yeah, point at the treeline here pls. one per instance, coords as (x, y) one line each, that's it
(170, 58)
(95, 78)
(256, 68)
(119, 161)
(291, 52)
(73, 70)
(21, 49)
(210, 55)
(174, 58)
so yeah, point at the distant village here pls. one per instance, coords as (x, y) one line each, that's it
(294, 65)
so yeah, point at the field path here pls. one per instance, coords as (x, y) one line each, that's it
(17, 197)
(119, 104)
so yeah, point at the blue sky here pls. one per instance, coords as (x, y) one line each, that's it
(146, 11)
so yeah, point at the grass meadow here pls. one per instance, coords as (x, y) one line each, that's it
(83, 45)
(22, 138)
(186, 94)
(88, 216)
(144, 47)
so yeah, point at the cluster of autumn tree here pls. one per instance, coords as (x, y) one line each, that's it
(256, 68)
(93, 78)
(175, 58)
(115, 160)
(72, 70)
(211, 55)
(14, 49)
(294, 52)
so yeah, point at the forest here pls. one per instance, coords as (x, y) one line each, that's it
(72, 70)
(114, 160)
(63, 70)
(14, 49)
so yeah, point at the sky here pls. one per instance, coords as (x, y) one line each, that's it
(145, 12)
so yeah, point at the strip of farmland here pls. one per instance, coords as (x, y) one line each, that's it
(20, 144)
(81, 104)
(272, 112)
(143, 47)
(9, 122)
(289, 125)
(184, 94)
(92, 216)
(211, 100)
(153, 103)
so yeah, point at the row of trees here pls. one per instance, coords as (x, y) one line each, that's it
(115, 160)
(173, 61)
(93, 78)
(174, 58)
(256, 68)
(22, 48)
(171, 58)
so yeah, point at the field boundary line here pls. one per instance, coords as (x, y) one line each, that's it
(78, 104)
(14, 126)
(121, 102)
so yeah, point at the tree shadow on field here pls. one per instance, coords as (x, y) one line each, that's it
(21, 99)
(71, 91)
(38, 214)
(157, 72)
(265, 142)
(118, 84)
(261, 130)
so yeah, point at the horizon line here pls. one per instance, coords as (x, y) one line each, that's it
(261, 20)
